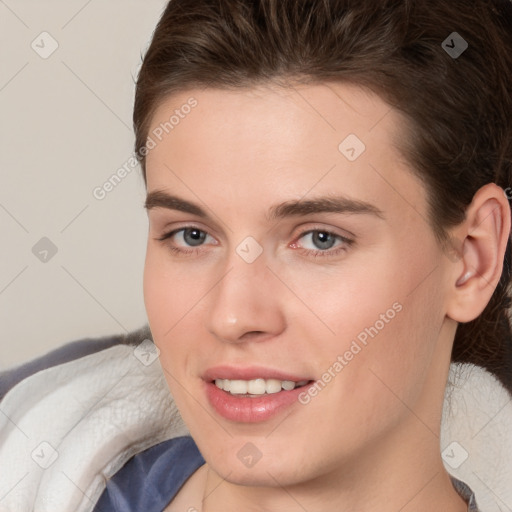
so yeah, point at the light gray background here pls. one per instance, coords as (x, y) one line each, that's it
(65, 129)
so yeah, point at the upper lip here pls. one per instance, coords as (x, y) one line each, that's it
(249, 373)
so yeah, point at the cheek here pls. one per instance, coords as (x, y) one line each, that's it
(168, 298)
(166, 304)
(386, 319)
(169, 293)
(378, 380)
(158, 296)
(395, 378)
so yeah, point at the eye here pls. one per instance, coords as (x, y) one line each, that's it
(321, 242)
(187, 237)
(192, 236)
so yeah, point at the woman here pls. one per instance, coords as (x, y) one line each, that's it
(328, 233)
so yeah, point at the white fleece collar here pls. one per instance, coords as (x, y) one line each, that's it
(67, 429)
(476, 435)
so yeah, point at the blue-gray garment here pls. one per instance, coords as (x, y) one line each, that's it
(151, 479)
(467, 494)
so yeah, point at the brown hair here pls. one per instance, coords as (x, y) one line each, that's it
(458, 108)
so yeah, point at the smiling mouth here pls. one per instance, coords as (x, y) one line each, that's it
(257, 387)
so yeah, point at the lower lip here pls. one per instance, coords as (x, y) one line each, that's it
(248, 409)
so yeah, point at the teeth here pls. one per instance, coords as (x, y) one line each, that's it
(257, 386)
(238, 387)
(288, 385)
(274, 385)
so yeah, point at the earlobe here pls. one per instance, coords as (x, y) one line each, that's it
(485, 233)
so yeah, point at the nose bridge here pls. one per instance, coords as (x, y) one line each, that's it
(245, 299)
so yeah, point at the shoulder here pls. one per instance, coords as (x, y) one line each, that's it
(66, 429)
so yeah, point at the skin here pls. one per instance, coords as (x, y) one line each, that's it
(370, 439)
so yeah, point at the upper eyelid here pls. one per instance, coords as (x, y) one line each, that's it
(322, 230)
(165, 230)
(167, 233)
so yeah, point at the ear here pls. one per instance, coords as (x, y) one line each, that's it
(483, 237)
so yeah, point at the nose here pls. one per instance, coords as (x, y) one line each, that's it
(246, 304)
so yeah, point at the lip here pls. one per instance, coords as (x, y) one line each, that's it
(243, 409)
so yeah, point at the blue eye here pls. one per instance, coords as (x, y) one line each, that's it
(323, 241)
(190, 237)
(193, 236)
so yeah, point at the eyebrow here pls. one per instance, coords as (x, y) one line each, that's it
(328, 204)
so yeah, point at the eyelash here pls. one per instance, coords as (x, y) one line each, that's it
(347, 242)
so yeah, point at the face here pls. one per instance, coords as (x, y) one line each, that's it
(289, 248)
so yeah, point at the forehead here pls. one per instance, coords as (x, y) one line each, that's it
(274, 141)
(325, 108)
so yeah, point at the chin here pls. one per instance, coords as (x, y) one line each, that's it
(260, 476)
(268, 470)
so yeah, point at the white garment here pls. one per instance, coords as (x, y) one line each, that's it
(97, 411)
